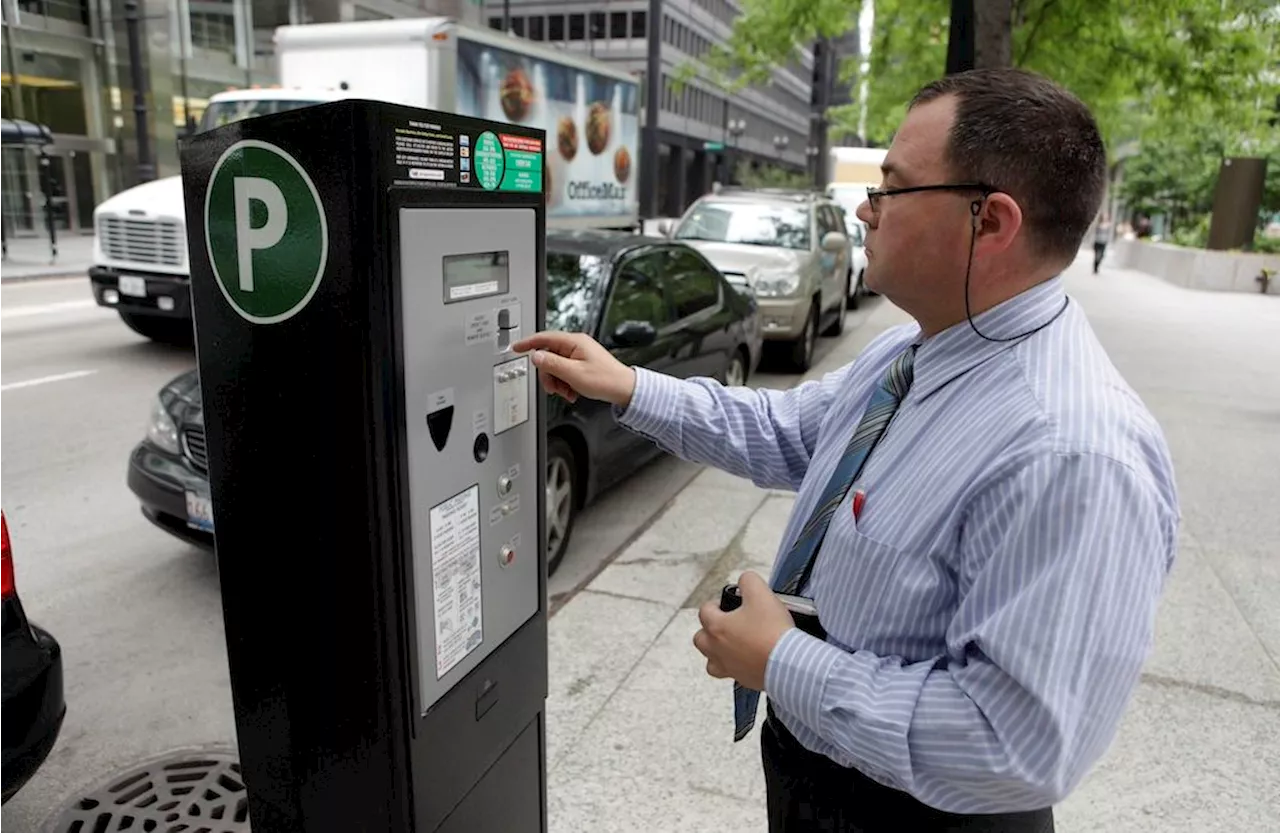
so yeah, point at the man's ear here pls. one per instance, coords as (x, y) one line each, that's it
(997, 219)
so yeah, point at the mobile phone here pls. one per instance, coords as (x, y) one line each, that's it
(803, 611)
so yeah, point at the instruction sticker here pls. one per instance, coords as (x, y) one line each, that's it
(455, 578)
(482, 328)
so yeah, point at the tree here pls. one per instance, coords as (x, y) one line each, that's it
(1130, 60)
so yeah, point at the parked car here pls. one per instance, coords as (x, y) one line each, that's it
(653, 302)
(33, 700)
(793, 249)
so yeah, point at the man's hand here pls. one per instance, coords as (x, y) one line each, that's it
(573, 364)
(738, 644)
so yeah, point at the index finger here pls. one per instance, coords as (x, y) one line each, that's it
(553, 340)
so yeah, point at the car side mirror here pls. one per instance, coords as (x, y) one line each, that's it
(634, 334)
(834, 241)
(666, 227)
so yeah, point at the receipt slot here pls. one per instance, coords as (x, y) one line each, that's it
(359, 272)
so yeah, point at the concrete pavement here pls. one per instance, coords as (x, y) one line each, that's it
(640, 738)
(31, 257)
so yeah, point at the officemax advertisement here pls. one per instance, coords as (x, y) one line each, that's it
(592, 124)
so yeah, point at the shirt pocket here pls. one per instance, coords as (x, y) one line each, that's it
(856, 586)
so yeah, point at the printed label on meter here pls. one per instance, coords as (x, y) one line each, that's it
(510, 394)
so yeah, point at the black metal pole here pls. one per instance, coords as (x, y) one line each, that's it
(146, 168)
(4, 233)
(184, 22)
(960, 39)
(46, 188)
(506, 15)
(649, 155)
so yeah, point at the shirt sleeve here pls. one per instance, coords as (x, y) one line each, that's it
(766, 435)
(1063, 563)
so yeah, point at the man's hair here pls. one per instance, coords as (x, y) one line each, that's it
(1028, 137)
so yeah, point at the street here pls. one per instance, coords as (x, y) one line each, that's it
(136, 611)
(139, 618)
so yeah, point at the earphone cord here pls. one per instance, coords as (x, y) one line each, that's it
(973, 240)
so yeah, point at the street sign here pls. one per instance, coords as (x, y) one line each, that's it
(713, 145)
(266, 232)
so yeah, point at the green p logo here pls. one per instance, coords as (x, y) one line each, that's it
(265, 231)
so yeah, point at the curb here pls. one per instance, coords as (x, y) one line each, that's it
(42, 276)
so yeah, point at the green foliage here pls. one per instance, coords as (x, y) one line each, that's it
(1135, 62)
(1187, 81)
(768, 176)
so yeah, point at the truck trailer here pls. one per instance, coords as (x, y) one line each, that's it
(589, 110)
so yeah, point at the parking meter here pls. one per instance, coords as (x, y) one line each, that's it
(359, 272)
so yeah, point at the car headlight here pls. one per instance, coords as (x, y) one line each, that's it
(162, 431)
(776, 284)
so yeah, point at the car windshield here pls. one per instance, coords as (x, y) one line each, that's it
(757, 224)
(573, 282)
(221, 113)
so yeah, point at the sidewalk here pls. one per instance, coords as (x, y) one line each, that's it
(639, 737)
(29, 257)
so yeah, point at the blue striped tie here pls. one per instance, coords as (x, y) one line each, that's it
(798, 562)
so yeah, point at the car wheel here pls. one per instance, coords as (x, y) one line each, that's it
(736, 374)
(562, 506)
(837, 327)
(854, 291)
(802, 351)
(176, 331)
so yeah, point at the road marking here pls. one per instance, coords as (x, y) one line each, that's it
(45, 309)
(44, 380)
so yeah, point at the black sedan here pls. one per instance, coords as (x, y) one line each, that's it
(33, 699)
(653, 302)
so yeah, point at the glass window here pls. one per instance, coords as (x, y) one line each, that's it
(573, 283)
(637, 295)
(826, 222)
(756, 224)
(555, 27)
(517, 26)
(692, 285)
(537, 28)
(618, 25)
(577, 27)
(638, 25)
(495, 23)
(598, 31)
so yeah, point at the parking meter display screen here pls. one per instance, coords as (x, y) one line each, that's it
(477, 275)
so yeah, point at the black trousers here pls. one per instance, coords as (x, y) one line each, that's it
(810, 792)
(1099, 250)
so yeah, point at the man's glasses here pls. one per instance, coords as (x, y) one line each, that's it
(874, 195)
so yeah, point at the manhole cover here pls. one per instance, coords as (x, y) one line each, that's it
(188, 791)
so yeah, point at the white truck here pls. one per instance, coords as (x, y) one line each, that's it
(589, 110)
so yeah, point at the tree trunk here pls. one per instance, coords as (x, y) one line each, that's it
(993, 33)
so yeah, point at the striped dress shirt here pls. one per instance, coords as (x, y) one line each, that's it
(989, 610)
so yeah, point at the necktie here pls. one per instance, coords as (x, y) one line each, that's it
(798, 562)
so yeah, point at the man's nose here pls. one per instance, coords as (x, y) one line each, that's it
(864, 213)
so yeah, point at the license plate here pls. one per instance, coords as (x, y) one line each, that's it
(199, 511)
(133, 286)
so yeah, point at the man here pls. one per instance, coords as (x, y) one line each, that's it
(1101, 237)
(988, 577)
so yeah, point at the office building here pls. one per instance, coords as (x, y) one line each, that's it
(66, 65)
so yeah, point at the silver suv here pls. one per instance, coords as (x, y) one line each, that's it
(791, 247)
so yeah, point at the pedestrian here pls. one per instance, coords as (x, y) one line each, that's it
(986, 511)
(1101, 237)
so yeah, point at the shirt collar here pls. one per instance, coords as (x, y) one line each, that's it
(957, 349)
